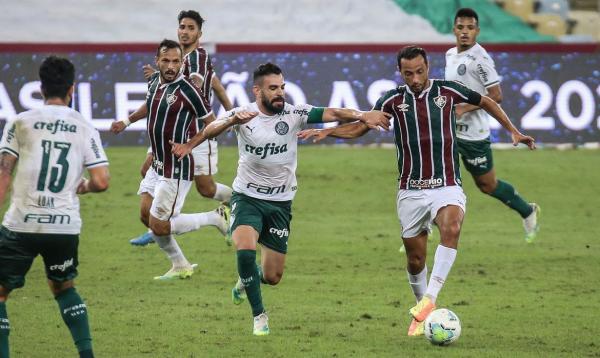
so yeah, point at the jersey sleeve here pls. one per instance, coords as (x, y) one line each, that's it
(306, 113)
(94, 155)
(463, 94)
(9, 143)
(383, 104)
(198, 102)
(486, 72)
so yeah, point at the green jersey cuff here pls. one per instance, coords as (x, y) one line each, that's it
(316, 115)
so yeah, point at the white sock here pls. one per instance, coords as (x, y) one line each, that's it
(442, 263)
(418, 283)
(183, 223)
(171, 248)
(223, 193)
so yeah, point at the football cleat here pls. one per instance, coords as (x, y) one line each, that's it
(225, 213)
(261, 325)
(416, 328)
(238, 293)
(177, 273)
(531, 225)
(422, 309)
(142, 240)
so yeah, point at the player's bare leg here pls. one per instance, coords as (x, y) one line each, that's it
(145, 204)
(416, 270)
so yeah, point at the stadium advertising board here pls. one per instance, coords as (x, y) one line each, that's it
(552, 96)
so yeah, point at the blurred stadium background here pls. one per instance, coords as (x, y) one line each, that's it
(338, 53)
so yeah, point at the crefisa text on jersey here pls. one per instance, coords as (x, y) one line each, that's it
(58, 125)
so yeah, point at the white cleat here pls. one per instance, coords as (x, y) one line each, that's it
(261, 325)
(531, 224)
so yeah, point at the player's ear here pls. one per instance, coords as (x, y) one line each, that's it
(256, 90)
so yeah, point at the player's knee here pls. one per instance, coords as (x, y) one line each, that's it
(272, 278)
(207, 191)
(416, 262)
(160, 228)
(450, 230)
(58, 287)
(486, 188)
(4, 293)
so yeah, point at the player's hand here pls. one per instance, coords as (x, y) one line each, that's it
(83, 188)
(117, 127)
(148, 71)
(197, 80)
(459, 110)
(376, 120)
(180, 150)
(243, 117)
(316, 134)
(525, 139)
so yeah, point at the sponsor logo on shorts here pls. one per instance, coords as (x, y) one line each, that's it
(65, 265)
(425, 183)
(478, 161)
(279, 232)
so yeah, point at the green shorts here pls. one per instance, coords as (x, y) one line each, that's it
(476, 155)
(271, 219)
(17, 251)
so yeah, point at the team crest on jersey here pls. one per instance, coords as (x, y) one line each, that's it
(282, 128)
(462, 69)
(171, 98)
(440, 101)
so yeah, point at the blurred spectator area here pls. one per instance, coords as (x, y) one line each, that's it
(569, 21)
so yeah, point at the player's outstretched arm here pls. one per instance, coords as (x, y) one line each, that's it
(345, 131)
(221, 94)
(98, 181)
(373, 119)
(118, 126)
(220, 125)
(496, 111)
(7, 165)
(494, 92)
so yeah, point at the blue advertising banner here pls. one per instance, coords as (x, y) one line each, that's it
(553, 96)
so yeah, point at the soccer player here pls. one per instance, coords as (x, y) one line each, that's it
(470, 64)
(52, 146)
(265, 184)
(173, 105)
(198, 67)
(429, 188)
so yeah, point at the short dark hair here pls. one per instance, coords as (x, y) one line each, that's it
(57, 75)
(194, 15)
(466, 12)
(410, 52)
(265, 69)
(168, 44)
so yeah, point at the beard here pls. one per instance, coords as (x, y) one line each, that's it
(273, 104)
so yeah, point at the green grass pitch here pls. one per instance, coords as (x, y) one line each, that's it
(344, 291)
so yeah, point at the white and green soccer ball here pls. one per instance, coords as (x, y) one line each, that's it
(442, 327)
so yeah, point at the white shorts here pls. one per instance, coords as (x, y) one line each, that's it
(169, 194)
(206, 158)
(418, 208)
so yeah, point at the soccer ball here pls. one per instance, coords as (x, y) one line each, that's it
(442, 327)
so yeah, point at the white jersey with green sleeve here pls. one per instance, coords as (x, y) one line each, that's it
(53, 144)
(476, 70)
(267, 148)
